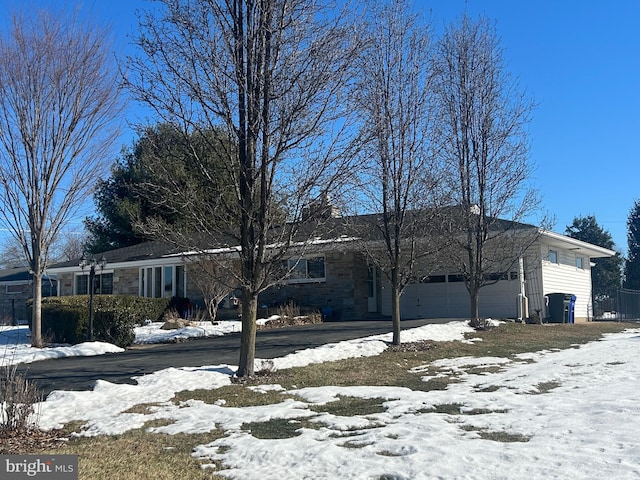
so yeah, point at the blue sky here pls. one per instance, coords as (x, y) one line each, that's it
(579, 60)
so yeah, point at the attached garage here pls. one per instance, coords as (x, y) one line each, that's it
(445, 296)
(554, 263)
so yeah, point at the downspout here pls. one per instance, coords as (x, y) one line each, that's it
(523, 301)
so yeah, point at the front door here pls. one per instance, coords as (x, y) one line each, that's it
(372, 285)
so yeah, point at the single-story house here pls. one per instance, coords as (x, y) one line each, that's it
(337, 274)
(16, 287)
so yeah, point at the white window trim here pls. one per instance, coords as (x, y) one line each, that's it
(15, 284)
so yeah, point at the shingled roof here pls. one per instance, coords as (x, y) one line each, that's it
(140, 251)
(326, 228)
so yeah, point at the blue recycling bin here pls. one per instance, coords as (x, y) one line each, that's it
(572, 308)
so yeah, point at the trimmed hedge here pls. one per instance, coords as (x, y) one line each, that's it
(66, 319)
(64, 323)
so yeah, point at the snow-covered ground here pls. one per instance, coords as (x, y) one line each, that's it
(547, 415)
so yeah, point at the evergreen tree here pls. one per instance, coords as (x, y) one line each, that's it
(632, 264)
(115, 200)
(606, 273)
(141, 190)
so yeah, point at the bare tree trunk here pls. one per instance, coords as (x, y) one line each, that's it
(36, 313)
(474, 298)
(396, 293)
(249, 302)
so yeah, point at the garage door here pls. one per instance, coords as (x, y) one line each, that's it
(451, 300)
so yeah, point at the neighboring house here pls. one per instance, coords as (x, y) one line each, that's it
(16, 288)
(334, 274)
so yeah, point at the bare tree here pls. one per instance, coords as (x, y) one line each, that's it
(482, 135)
(66, 247)
(393, 94)
(69, 246)
(214, 277)
(59, 100)
(12, 254)
(271, 74)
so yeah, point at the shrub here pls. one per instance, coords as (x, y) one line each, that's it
(288, 310)
(113, 327)
(66, 319)
(64, 323)
(177, 307)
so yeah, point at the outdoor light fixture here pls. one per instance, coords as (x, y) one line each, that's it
(92, 264)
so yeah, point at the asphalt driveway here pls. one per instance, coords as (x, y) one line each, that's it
(80, 373)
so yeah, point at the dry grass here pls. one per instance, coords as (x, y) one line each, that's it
(138, 455)
(142, 455)
(351, 406)
(232, 396)
(278, 428)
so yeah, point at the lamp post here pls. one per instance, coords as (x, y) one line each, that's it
(92, 264)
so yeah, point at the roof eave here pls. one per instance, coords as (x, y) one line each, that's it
(584, 248)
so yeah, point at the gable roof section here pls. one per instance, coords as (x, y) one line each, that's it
(15, 275)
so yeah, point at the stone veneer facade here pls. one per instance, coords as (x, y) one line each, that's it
(125, 282)
(344, 288)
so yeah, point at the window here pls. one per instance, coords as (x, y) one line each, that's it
(146, 285)
(307, 269)
(579, 263)
(456, 278)
(434, 279)
(15, 288)
(168, 282)
(493, 277)
(102, 284)
(179, 273)
(106, 284)
(162, 282)
(157, 282)
(82, 282)
(553, 256)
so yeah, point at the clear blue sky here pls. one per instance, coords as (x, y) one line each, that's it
(580, 61)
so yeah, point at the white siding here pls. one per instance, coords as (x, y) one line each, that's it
(565, 277)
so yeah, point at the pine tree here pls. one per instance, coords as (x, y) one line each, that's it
(143, 186)
(607, 271)
(632, 264)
